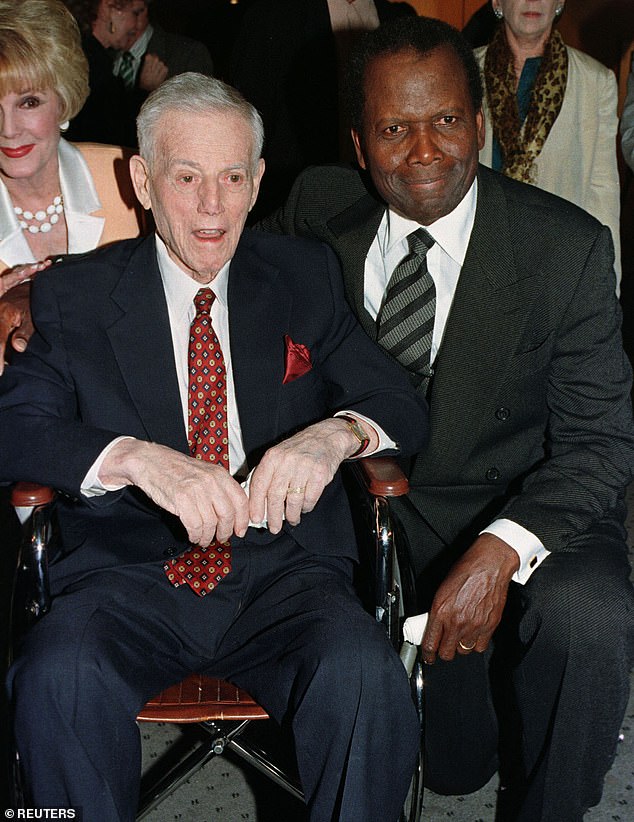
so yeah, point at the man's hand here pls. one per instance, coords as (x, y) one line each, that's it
(293, 474)
(204, 496)
(15, 320)
(15, 311)
(153, 72)
(468, 605)
(19, 274)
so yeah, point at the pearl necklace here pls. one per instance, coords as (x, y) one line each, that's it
(52, 212)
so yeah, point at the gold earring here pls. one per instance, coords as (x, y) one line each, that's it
(111, 28)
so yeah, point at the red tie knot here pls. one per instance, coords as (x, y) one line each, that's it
(204, 300)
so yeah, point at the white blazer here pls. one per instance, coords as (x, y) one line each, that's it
(99, 203)
(578, 161)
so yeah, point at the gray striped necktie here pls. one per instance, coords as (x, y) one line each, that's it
(405, 323)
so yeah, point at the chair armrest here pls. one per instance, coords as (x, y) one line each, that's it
(382, 476)
(32, 506)
(30, 494)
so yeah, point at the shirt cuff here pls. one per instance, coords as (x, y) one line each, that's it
(529, 549)
(92, 485)
(385, 442)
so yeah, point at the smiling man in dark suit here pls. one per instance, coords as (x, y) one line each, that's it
(516, 508)
(161, 371)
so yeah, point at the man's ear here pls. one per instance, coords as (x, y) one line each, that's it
(480, 128)
(141, 180)
(356, 139)
(257, 179)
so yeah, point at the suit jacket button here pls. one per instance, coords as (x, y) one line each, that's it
(170, 552)
(492, 474)
(503, 414)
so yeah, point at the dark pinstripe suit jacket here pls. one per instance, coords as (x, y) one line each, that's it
(530, 406)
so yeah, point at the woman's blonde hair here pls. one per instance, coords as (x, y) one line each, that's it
(40, 49)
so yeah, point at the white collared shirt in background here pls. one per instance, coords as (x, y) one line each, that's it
(353, 15)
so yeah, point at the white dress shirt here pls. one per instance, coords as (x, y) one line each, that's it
(444, 263)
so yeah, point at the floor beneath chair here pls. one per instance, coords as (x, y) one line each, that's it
(226, 790)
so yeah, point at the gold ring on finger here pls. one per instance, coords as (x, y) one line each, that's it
(466, 647)
(297, 489)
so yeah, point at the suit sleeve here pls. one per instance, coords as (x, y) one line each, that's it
(364, 379)
(285, 219)
(357, 374)
(41, 437)
(589, 448)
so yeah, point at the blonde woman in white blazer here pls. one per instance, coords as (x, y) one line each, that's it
(577, 159)
(99, 204)
(55, 198)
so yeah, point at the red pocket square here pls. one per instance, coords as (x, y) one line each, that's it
(297, 360)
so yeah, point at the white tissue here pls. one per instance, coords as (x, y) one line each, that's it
(414, 628)
(246, 485)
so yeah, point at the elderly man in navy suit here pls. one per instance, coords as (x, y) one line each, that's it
(163, 371)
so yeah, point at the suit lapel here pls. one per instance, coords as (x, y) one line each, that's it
(351, 233)
(487, 317)
(142, 344)
(259, 312)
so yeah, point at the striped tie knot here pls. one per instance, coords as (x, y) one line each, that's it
(420, 241)
(126, 69)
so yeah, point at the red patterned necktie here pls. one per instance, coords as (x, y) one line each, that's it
(202, 568)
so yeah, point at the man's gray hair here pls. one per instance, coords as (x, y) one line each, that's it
(194, 93)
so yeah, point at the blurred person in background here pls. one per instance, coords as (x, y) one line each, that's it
(172, 53)
(109, 27)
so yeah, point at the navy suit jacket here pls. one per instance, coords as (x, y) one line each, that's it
(102, 365)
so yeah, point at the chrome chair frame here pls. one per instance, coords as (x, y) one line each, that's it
(393, 596)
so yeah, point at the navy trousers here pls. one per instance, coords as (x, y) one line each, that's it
(285, 625)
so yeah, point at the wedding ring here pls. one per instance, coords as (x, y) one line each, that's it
(466, 647)
(298, 489)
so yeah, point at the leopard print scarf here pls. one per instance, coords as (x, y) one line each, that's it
(521, 144)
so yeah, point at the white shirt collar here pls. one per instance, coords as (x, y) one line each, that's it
(77, 184)
(139, 47)
(180, 288)
(452, 232)
(137, 50)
